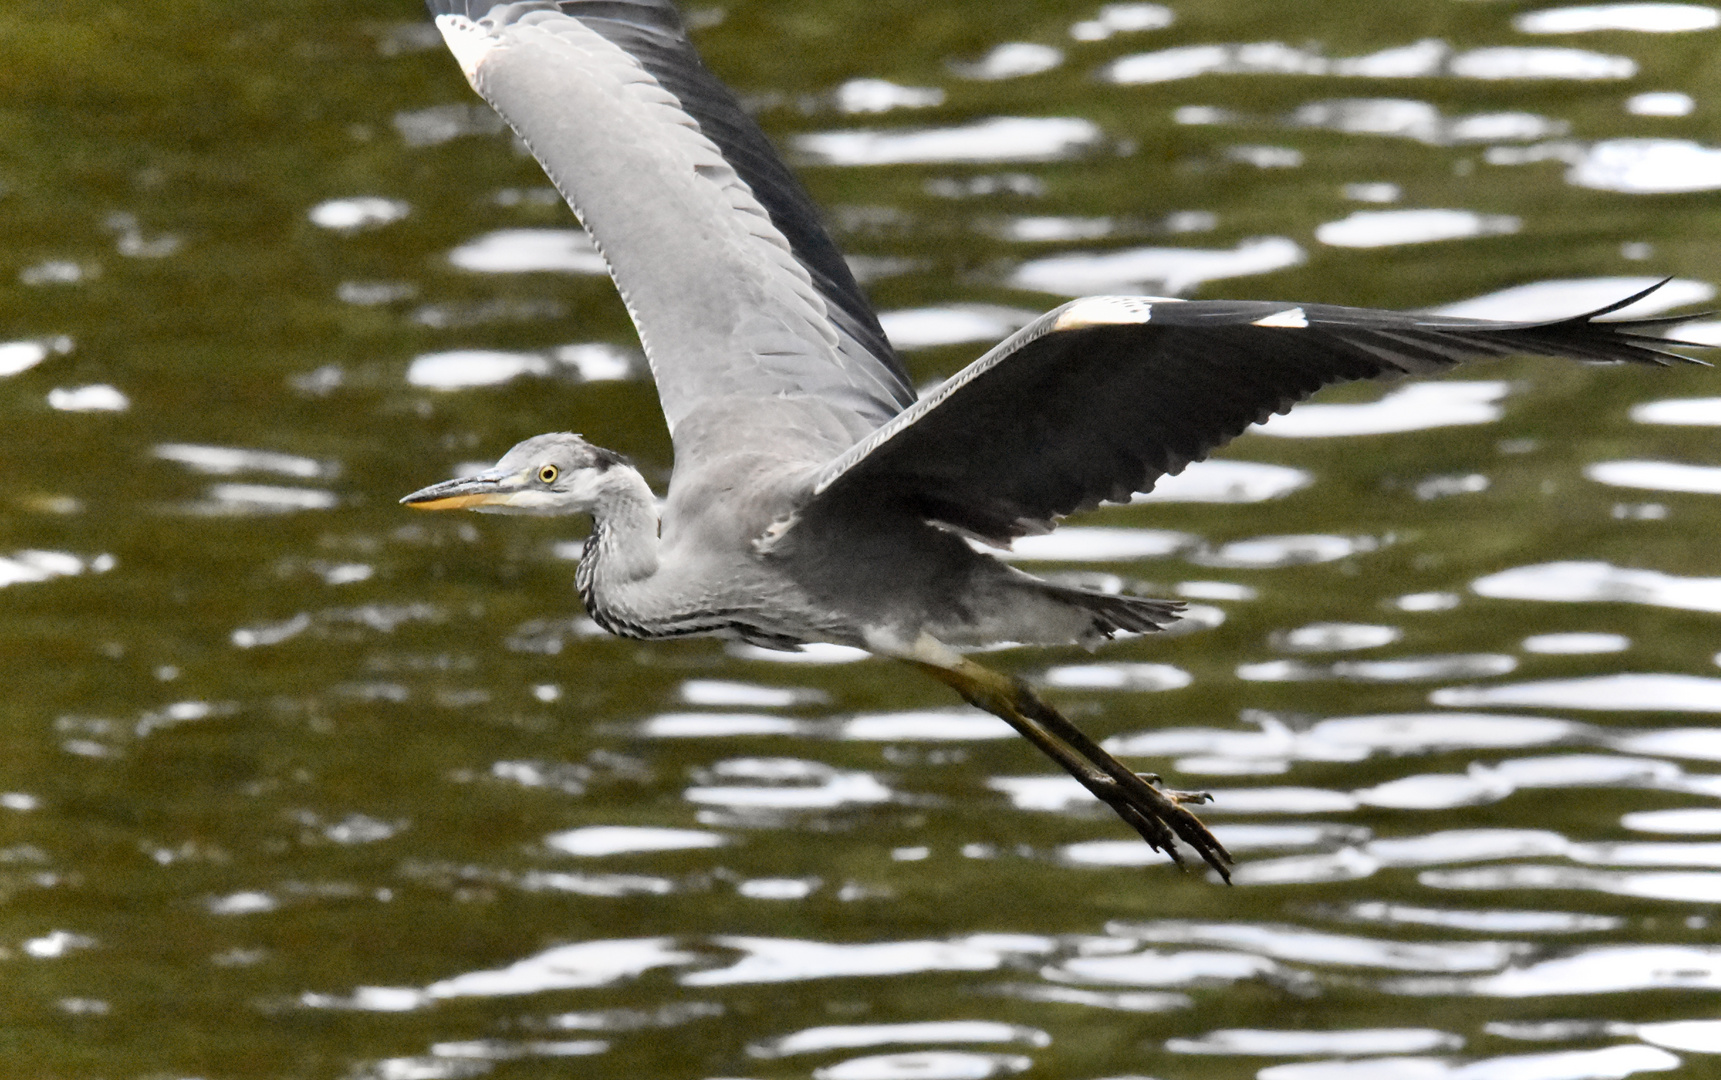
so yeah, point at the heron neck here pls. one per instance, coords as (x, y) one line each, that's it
(623, 544)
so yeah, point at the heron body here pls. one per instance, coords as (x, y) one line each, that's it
(814, 498)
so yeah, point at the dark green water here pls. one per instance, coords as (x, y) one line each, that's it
(292, 779)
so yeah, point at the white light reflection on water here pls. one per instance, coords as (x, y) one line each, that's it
(1427, 601)
(1656, 692)
(955, 324)
(229, 460)
(1483, 921)
(1134, 1001)
(1698, 412)
(721, 693)
(1124, 18)
(1093, 543)
(1657, 476)
(1599, 969)
(383, 618)
(1011, 60)
(438, 124)
(1468, 845)
(1407, 733)
(1422, 121)
(785, 784)
(1535, 62)
(1422, 59)
(1162, 270)
(566, 967)
(1563, 298)
(1691, 886)
(1273, 552)
(1186, 968)
(1043, 229)
(350, 215)
(20, 356)
(1698, 1036)
(998, 139)
(1637, 853)
(1215, 590)
(247, 499)
(1336, 637)
(693, 725)
(1258, 1043)
(520, 251)
(98, 397)
(599, 840)
(1220, 480)
(1437, 791)
(1417, 407)
(773, 960)
(1600, 582)
(1386, 228)
(1661, 103)
(926, 1065)
(1575, 644)
(857, 1036)
(461, 369)
(1613, 1063)
(1683, 821)
(34, 567)
(1648, 166)
(929, 725)
(1116, 676)
(1402, 669)
(881, 96)
(1296, 944)
(1649, 18)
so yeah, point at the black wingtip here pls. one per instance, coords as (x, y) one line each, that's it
(1627, 302)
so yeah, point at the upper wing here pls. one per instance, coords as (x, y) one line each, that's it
(1099, 398)
(732, 282)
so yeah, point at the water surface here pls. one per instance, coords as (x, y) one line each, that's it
(299, 784)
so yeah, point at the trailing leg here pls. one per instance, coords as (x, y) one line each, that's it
(1155, 814)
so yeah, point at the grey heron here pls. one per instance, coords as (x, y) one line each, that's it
(814, 498)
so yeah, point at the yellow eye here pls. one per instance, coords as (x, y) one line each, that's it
(547, 474)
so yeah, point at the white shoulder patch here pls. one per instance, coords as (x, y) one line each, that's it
(469, 42)
(1292, 318)
(1109, 311)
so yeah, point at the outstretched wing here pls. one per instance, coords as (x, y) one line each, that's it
(735, 287)
(1099, 398)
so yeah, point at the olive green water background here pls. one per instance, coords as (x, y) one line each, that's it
(291, 778)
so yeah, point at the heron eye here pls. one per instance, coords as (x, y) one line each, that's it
(547, 474)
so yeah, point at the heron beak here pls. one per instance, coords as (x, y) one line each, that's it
(486, 489)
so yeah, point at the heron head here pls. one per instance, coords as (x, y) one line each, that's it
(546, 474)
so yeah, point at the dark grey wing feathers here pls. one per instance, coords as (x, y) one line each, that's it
(1101, 397)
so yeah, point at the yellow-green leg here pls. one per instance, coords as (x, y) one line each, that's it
(1156, 814)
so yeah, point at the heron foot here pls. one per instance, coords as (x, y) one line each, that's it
(1180, 797)
(1156, 814)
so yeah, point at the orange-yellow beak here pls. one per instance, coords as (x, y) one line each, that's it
(486, 489)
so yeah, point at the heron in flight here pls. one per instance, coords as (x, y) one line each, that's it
(814, 497)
